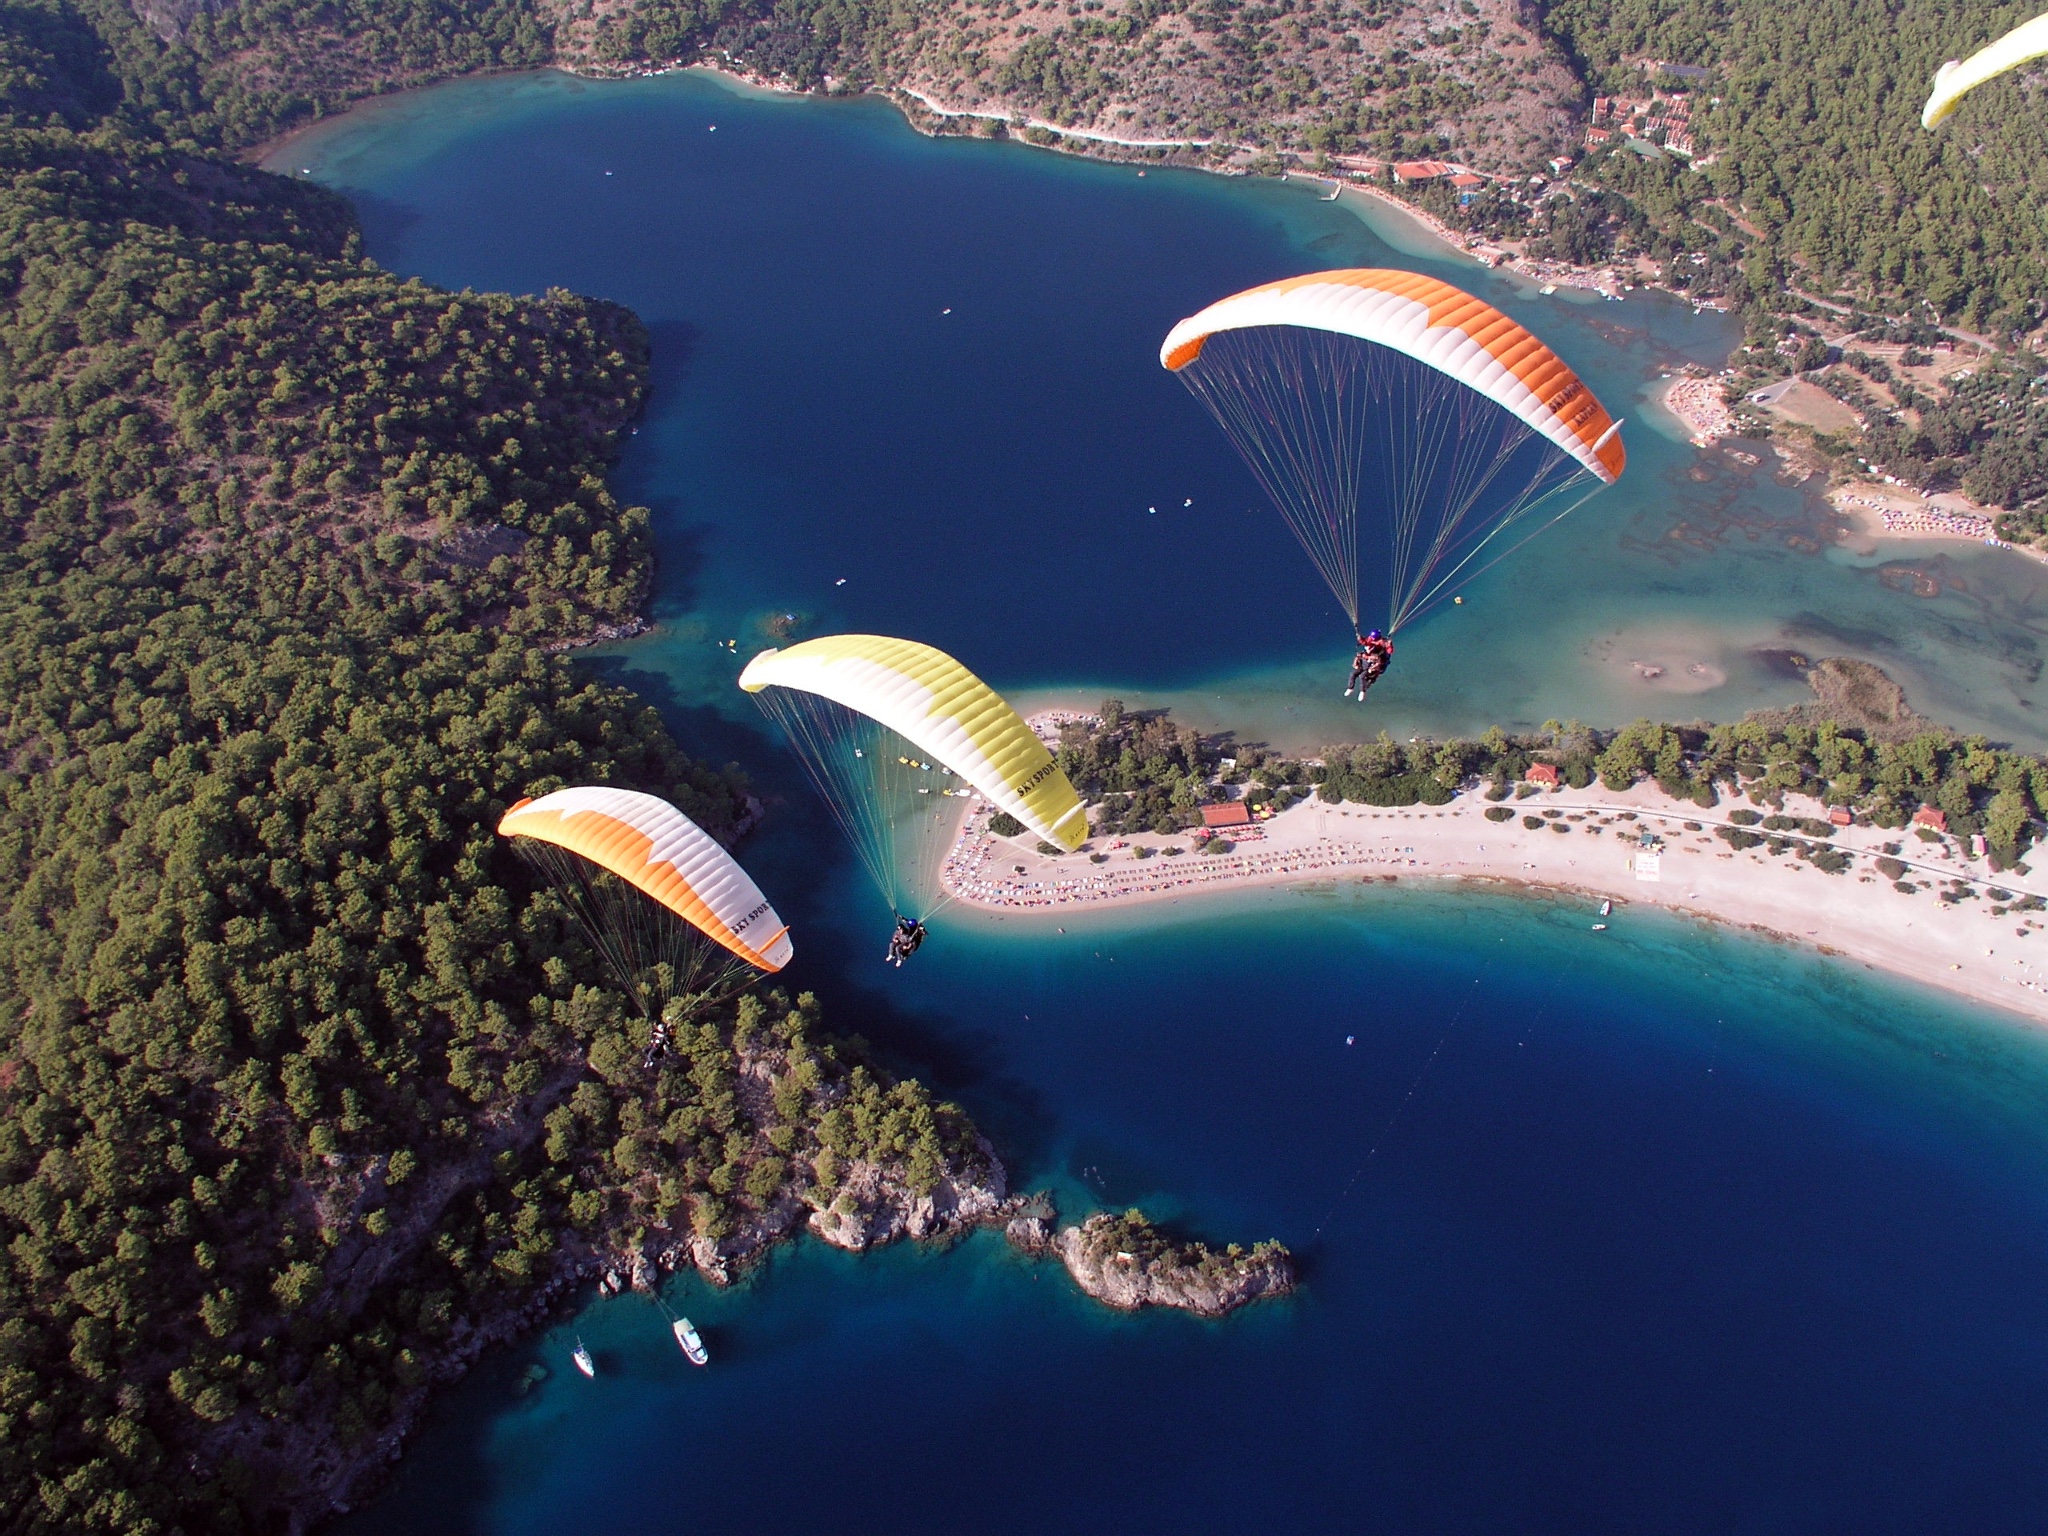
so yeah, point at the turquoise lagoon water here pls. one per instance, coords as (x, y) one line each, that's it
(1661, 1230)
(817, 416)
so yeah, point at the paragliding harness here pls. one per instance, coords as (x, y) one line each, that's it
(657, 1046)
(1375, 651)
(903, 942)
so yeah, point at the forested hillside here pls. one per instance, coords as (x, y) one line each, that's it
(1404, 77)
(1811, 118)
(300, 1079)
(1856, 243)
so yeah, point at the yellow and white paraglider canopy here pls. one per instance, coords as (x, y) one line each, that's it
(940, 708)
(1956, 79)
(659, 851)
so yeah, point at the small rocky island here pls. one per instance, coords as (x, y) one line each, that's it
(1127, 1262)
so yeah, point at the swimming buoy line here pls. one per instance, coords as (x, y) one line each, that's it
(1401, 1108)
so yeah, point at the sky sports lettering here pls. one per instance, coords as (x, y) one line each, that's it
(1045, 772)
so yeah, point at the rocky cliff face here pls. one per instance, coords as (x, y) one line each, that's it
(1126, 1262)
(872, 1205)
(168, 19)
(875, 1206)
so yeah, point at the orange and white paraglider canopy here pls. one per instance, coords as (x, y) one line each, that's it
(1462, 337)
(654, 847)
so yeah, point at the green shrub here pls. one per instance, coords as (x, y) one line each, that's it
(1003, 824)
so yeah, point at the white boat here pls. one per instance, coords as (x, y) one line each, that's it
(583, 1361)
(1606, 908)
(692, 1346)
(1599, 927)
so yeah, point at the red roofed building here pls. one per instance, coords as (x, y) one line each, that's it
(1421, 170)
(1542, 773)
(1928, 816)
(1842, 816)
(1232, 813)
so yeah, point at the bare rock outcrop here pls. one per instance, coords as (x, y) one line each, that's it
(1126, 1262)
(874, 1205)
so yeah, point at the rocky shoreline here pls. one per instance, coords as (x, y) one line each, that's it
(1127, 1263)
(1119, 1260)
(1122, 1261)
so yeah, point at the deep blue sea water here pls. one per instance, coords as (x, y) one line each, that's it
(1661, 1230)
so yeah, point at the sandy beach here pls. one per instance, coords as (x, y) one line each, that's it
(1700, 404)
(1877, 511)
(1590, 841)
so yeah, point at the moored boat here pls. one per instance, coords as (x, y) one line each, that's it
(584, 1362)
(692, 1345)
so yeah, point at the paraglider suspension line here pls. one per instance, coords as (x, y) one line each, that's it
(654, 955)
(891, 803)
(1341, 432)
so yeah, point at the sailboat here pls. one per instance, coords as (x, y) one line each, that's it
(582, 1358)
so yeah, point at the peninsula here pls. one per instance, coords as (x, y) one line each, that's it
(1895, 845)
(308, 1093)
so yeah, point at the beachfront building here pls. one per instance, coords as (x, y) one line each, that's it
(1928, 816)
(1542, 773)
(1408, 172)
(1232, 813)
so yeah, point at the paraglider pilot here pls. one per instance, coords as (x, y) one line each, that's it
(657, 1047)
(1375, 651)
(904, 941)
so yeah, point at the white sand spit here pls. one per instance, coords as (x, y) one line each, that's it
(1956, 945)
